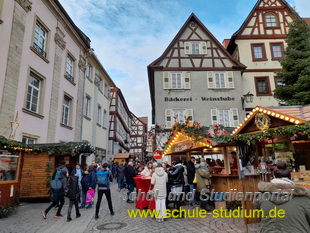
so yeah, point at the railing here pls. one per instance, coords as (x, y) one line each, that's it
(39, 49)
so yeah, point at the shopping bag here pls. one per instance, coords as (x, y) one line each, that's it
(195, 180)
(90, 196)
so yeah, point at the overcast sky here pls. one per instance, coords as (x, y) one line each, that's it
(127, 35)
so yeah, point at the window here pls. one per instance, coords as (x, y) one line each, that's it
(99, 82)
(176, 80)
(258, 52)
(106, 90)
(69, 68)
(278, 81)
(9, 166)
(271, 20)
(225, 117)
(29, 140)
(33, 93)
(66, 110)
(172, 115)
(276, 50)
(99, 115)
(89, 71)
(262, 86)
(195, 48)
(87, 106)
(220, 79)
(40, 39)
(105, 118)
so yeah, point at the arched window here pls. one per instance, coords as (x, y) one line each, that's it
(271, 20)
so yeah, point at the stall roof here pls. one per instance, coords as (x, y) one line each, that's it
(280, 116)
(121, 156)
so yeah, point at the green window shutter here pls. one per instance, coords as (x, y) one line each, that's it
(204, 49)
(166, 80)
(187, 80)
(168, 118)
(210, 79)
(230, 79)
(214, 117)
(187, 48)
(189, 113)
(234, 117)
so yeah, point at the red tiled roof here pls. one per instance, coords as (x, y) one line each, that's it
(307, 20)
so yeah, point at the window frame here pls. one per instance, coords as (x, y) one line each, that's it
(262, 45)
(87, 107)
(276, 20)
(69, 76)
(266, 78)
(29, 137)
(89, 71)
(99, 115)
(271, 50)
(220, 81)
(181, 81)
(69, 110)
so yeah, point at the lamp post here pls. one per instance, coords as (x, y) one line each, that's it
(247, 98)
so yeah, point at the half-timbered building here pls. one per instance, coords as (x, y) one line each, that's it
(196, 78)
(259, 44)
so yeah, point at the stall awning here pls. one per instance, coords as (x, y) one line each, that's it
(121, 156)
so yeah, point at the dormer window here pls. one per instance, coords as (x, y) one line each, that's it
(271, 20)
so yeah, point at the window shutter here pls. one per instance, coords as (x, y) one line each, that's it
(210, 80)
(168, 118)
(230, 79)
(166, 81)
(214, 116)
(204, 49)
(187, 80)
(234, 117)
(187, 47)
(189, 113)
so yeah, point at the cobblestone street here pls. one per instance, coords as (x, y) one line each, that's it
(29, 219)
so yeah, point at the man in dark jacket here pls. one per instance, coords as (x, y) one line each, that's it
(88, 182)
(74, 195)
(176, 179)
(130, 173)
(190, 177)
(120, 174)
(104, 177)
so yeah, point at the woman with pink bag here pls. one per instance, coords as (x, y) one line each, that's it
(88, 183)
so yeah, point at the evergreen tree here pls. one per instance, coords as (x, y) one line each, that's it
(296, 66)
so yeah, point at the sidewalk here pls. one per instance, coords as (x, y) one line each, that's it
(28, 219)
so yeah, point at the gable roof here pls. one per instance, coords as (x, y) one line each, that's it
(290, 115)
(155, 64)
(231, 46)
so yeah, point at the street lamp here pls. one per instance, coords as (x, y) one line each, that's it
(248, 98)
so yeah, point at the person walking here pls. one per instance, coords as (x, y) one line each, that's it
(104, 177)
(74, 195)
(159, 180)
(130, 173)
(88, 182)
(203, 180)
(191, 170)
(296, 207)
(120, 174)
(176, 181)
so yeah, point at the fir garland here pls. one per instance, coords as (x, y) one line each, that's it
(66, 148)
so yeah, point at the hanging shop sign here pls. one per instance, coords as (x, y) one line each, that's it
(262, 121)
(182, 146)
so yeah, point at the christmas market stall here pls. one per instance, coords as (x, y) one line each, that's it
(39, 166)
(11, 157)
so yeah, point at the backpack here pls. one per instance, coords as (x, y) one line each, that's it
(56, 184)
(58, 173)
(103, 178)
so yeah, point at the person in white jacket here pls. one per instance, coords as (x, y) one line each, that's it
(147, 171)
(159, 180)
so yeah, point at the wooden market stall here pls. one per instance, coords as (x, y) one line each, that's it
(39, 165)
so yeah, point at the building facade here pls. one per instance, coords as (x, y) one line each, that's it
(138, 137)
(259, 44)
(196, 80)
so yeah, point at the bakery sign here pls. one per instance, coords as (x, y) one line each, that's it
(181, 146)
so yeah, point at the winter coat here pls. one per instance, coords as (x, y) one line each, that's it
(63, 175)
(130, 173)
(202, 175)
(297, 210)
(176, 175)
(159, 180)
(146, 172)
(185, 176)
(190, 172)
(75, 172)
(73, 188)
(88, 180)
(120, 171)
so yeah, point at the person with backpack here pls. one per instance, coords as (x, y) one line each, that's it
(104, 177)
(62, 174)
(74, 195)
(88, 182)
(57, 195)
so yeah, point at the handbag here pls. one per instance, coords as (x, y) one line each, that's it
(195, 179)
(90, 196)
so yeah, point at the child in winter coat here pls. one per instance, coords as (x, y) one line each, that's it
(74, 195)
